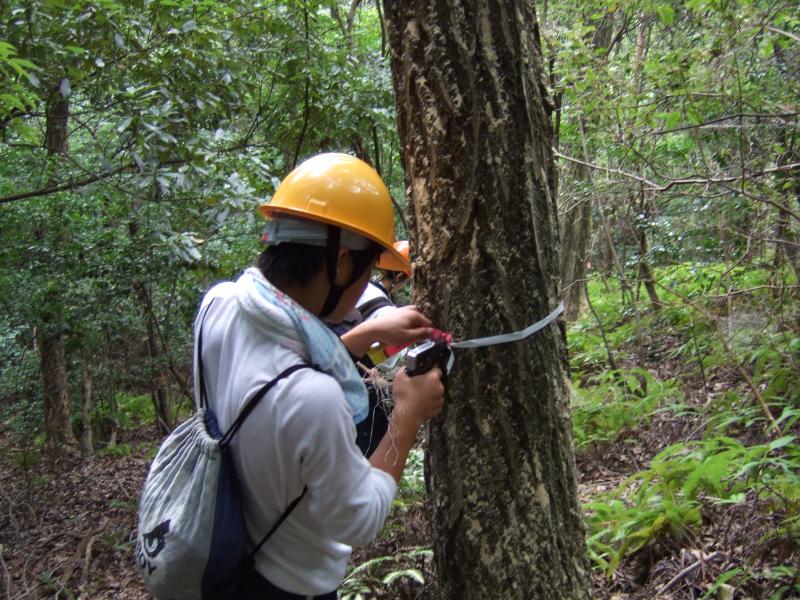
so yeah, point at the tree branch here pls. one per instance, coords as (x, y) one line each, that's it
(788, 34)
(72, 184)
(695, 180)
(726, 118)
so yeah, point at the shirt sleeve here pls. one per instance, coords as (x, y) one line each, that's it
(347, 496)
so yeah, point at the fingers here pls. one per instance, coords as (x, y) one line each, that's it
(415, 317)
(435, 392)
(403, 326)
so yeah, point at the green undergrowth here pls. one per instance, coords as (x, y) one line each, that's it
(715, 324)
(376, 576)
(666, 500)
(611, 403)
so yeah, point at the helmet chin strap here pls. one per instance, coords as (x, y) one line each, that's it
(336, 291)
(332, 257)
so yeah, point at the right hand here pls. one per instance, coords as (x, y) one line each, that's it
(417, 398)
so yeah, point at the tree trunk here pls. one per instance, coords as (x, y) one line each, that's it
(158, 389)
(87, 440)
(576, 228)
(639, 229)
(57, 427)
(475, 135)
(57, 118)
(576, 221)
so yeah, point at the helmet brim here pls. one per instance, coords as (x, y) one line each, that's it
(393, 261)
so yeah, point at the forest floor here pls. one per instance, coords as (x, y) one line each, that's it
(67, 525)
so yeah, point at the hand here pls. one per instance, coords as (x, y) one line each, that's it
(417, 398)
(404, 325)
(398, 327)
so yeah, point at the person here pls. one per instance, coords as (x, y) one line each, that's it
(328, 222)
(393, 274)
(374, 304)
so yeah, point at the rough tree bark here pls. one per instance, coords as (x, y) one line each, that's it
(475, 137)
(50, 342)
(87, 400)
(57, 428)
(576, 228)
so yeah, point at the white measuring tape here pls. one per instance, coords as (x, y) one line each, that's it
(503, 338)
(511, 337)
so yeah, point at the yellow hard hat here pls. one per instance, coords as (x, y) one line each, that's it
(388, 261)
(338, 189)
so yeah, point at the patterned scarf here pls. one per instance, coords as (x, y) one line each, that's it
(292, 326)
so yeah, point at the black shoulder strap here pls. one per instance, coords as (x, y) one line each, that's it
(279, 522)
(233, 429)
(201, 382)
(371, 306)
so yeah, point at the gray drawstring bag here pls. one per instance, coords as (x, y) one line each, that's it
(192, 541)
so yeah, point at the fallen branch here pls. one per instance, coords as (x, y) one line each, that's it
(87, 561)
(664, 588)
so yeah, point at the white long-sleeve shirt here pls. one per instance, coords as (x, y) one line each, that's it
(300, 434)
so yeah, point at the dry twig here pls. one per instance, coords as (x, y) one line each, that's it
(687, 570)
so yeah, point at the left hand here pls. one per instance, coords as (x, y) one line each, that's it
(398, 327)
(405, 325)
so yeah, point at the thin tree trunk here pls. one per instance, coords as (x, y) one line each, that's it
(112, 422)
(576, 227)
(476, 138)
(645, 272)
(57, 427)
(87, 440)
(576, 222)
(157, 376)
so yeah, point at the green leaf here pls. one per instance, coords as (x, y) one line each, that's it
(414, 574)
(671, 120)
(666, 14)
(781, 442)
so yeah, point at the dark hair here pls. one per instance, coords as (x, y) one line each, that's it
(291, 263)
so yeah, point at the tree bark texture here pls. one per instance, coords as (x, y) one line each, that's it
(57, 427)
(87, 400)
(475, 136)
(576, 229)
